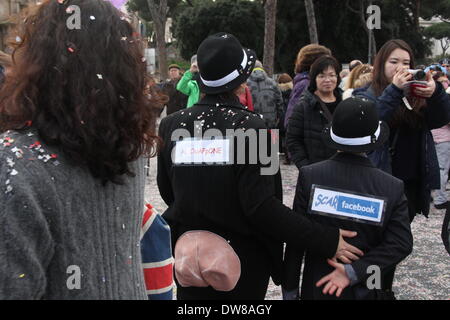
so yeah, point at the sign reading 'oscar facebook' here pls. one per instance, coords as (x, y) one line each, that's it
(344, 204)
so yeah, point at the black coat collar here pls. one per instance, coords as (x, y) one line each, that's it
(313, 100)
(353, 158)
(213, 101)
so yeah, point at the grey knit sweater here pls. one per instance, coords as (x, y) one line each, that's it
(62, 234)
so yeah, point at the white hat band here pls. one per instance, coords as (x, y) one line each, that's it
(228, 78)
(355, 141)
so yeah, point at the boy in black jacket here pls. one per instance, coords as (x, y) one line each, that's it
(348, 192)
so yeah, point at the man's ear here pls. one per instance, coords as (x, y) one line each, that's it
(241, 89)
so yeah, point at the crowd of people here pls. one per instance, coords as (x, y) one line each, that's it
(78, 119)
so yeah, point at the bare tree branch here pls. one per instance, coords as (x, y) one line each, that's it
(350, 8)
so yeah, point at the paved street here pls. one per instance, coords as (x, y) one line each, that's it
(424, 275)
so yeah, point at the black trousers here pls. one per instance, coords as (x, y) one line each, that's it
(414, 196)
(252, 284)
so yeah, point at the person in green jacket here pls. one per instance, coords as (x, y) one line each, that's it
(188, 85)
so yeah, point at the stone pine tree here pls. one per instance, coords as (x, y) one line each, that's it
(270, 8)
(311, 17)
(435, 8)
(441, 32)
(244, 19)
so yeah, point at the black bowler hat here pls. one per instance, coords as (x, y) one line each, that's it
(223, 63)
(356, 127)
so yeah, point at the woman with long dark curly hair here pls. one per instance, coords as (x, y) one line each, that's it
(76, 125)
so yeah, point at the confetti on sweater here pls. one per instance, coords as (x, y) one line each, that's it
(10, 162)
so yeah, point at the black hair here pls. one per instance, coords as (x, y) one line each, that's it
(320, 65)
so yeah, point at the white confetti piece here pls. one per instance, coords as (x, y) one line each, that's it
(10, 162)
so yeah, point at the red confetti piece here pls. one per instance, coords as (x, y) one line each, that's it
(53, 156)
(28, 123)
(71, 50)
(36, 144)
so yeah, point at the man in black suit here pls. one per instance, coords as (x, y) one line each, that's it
(348, 192)
(207, 187)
